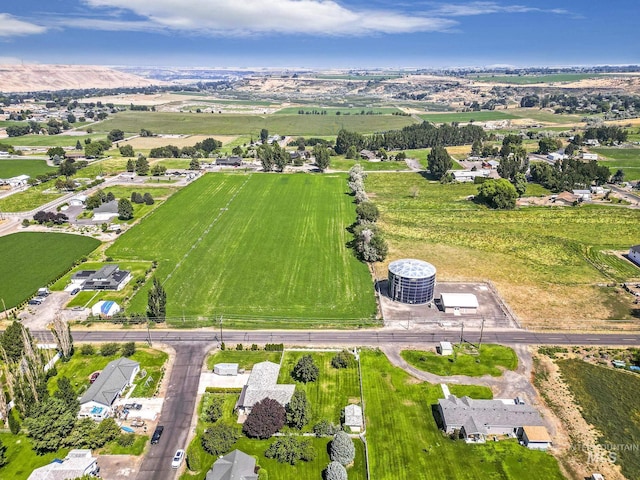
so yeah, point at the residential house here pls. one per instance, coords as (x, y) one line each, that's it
(263, 383)
(109, 277)
(583, 195)
(76, 464)
(78, 201)
(19, 181)
(368, 155)
(97, 401)
(106, 211)
(634, 254)
(353, 418)
(598, 190)
(556, 156)
(468, 175)
(232, 161)
(566, 199)
(591, 142)
(589, 156)
(236, 465)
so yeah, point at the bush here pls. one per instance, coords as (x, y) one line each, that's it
(265, 419)
(342, 449)
(274, 347)
(335, 471)
(213, 413)
(239, 346)
(263, 474)
(128, 349)
(219, 439)
(194, 457)
(254, 347)
(305, 370)
(126, 440)
(343, 359)
(14, 423)
(222, 390)
(109, 349)
(324, 428)
(87, 349)
(291, 450)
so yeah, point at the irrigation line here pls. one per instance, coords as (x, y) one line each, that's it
(206, 230)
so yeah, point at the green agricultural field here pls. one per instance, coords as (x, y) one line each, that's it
(544, 115)
(608, 400)
(421, 155)
(533, 252)
(491, 360)
(33, 168)
(405, 443)
(627, 159)
(342, 164)
(254, 246)
(32, 260)
(51, 140)
(467, 116)
(334, 390)
(533, 79)
(235, 124)
(244, 358)
(337, 111)
(21, 459)
(31, 198)
(108, 166)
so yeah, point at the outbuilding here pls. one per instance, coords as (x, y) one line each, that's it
(459, 303)
(536, 437)
(445, 348)
(78, 201)
(634, 254)
(227, 369)
(105, 308)
(353, 418)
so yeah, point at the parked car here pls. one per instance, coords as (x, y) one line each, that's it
(74, 291)
(157, 433)
(132, 406)
(43, 292)
(177, 459)
(36, 301)
(94, 376)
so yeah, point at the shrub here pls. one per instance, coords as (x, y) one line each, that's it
(108, 349)
(222, 390)
(274, 347)
(194, 457)
(265, 419)
(126, 440)
(263, 474)
(291, 450)
(14, 423)
(342, 449)
(239, 346)
(87, 349)
(335, 471)
(254, 347)
(324, 428)
(343, 359)
(213, 413)
(128, 349)
(219, 439)
(306, 370)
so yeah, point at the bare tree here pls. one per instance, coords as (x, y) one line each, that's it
(62, 332)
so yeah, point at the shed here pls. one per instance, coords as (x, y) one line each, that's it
(536, 437)
(78, 201)
(589, 156)
(353, 418)
(634, 254)
(230, 369)
(105, 308)
(446, 348)
(459, 303)
(596, 476)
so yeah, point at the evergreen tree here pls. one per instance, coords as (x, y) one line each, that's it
(306, 370)
(298, 410)
(157, 302)
(439, 162)
(67, 394)
(125, 209)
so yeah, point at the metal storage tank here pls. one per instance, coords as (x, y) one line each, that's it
(411, 281)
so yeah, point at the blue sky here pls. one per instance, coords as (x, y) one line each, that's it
(320, 33)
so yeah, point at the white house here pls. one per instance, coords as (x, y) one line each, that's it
(589, 156)
(459, 303)
(19, 181)
(78, 201)
(76, 464)
(583, 195)
(105, 308)
(556, 156)
(97, 401)
(353, 418)
(4, 154)
(468, 175)
(446, 348)
(634, 254)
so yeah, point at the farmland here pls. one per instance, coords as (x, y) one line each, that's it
(536, 252)
(254, 246)
(33, 168)
(608, 400)
(337, 110)
(405, 443)
(534, 79)
(51, 140)
(19, 278)
(31, 198)
(467, 116)
(627, 159)
(230, 124)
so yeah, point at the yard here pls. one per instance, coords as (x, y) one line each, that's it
(404, 441)
(27, 265)
(225, 241)
(540, 253)
(342, 164)
(21, 459)
(244, 358)
(31, 198)
(33, 168)
(491, 360)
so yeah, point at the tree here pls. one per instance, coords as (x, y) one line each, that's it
(306, 370)
(264, 135)
(367, 212)
(548, 144)
(370, 243)
(109, 349)
(125, 209)
(520, 183)
(68, 167)
(146, 133)
(352, 153)
(342, 449)
(3, 454)
(157, 302)
(266, 418)
(128, 349)
(291, 450)
(142, 165)
(343, 359)
(298, 410)
(71, 118)
(78, 145)
(158, 170)
(131, 165)
(110, 197)
(14, 423)
(324, 428)
(12, 341)
(335, 471)
(265, 154)
(280, 157)
(67, 394)
(321, 154)
(618, 177)
(148, 199)
(62, 333)
(93, 149)
(53, 151)
(500, 194)
(476, 148)
(439, 162)
(115, 135)
(49, 424)
(213, 412)
(219, 439)
(136, 197)
(194, 164)
(126, 151)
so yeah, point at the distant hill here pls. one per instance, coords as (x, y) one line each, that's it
(33, 78)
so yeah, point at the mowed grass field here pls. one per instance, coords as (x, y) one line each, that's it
(608, 400)
(61, 140)
(31, 260)
(230, 124)
(254, 246)
(626, 159)
(546, 262)
(12, 168)
(405, 443)
(467, 116)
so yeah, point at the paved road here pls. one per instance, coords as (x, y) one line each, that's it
(177, 410)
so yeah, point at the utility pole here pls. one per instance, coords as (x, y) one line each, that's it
(148, 332)
(221, 341)
(481, 331)
(4, 307)
(461, 334)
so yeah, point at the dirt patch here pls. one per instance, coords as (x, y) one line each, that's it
(177, 140)
(119, 466)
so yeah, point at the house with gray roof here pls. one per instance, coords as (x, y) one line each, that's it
(76, 464)
(236, 465)
(97, 401)
(106, 211)
(263, 383)
(109, 277)
(475, 419)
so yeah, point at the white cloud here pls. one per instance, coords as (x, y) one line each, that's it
(10, 26)
(249, 17)
(485, 8)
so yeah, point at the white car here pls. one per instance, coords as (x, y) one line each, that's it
(177, 459)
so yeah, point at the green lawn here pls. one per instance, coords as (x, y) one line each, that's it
(237, 124)
(467, 116)
(244, 358)
(533, 252)
(533, 79)
(12, 168)
(254, 246)
(32, 260)
(22, 460)
(334, 390)
(112, 448)
(421, 155)
(342, 164)
(462, 362)
(31, 198)
(627, 159)
(107, 166)
(80, 368)
(405, 443)
(544, 115)
(608, 400)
